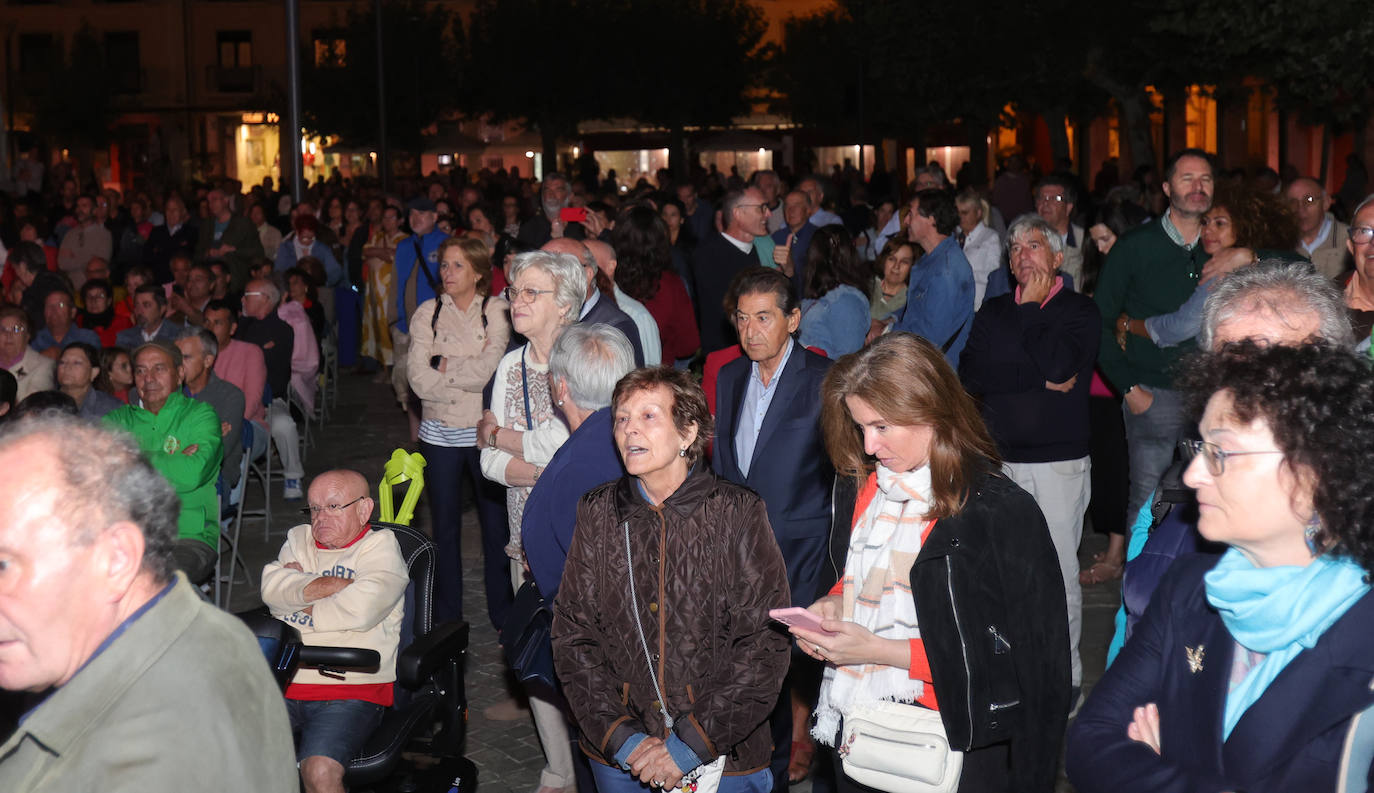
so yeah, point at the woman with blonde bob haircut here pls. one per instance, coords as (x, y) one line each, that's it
(951, 586)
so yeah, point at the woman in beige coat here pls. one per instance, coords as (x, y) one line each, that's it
(456, 341)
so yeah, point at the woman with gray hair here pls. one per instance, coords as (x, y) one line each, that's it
(521, 432)
(586, 363)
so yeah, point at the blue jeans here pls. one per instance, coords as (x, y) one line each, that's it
(1151, 439)
(335, 728)
(613, 780)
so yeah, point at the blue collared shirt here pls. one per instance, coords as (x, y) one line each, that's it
(44, 340)
(757, 398)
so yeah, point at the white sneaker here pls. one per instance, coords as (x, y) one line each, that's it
(291, 490)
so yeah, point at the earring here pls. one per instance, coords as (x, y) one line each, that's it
(681, 452)
(1309, 534)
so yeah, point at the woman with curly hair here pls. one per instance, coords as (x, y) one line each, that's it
(1250, 671)
(1242, 227)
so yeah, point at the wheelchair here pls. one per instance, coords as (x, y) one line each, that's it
(429, 716)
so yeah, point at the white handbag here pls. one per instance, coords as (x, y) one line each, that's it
(899, 748)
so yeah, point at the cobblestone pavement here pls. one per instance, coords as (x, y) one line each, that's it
(364, 428)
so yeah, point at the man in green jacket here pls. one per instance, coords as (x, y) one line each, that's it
(182, 440)
(1153, 270)
(140, 684)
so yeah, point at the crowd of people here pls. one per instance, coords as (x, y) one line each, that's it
(680, 407)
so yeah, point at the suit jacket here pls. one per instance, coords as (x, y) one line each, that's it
(790, 469)
(241, 234)
(714, 264)
(132, 338)
(606, 312)
(1179, 657)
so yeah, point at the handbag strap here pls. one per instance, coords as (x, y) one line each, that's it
(639, 628)
(525, 384)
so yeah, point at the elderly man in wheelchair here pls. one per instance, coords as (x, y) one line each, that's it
(340, 585)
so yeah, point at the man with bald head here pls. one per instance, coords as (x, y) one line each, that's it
(140, 684)
(340, 585)
(599, 307)
(1322, 237)
(644, 321)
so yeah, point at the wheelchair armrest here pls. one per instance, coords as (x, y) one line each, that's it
(417, 663)
(339, 657)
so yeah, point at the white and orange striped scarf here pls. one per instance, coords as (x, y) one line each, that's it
(877, 595)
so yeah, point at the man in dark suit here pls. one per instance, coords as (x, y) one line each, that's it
(768, 438)
(717, 259)
(176, 235)
(598, 307)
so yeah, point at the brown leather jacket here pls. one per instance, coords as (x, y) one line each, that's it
(706, 571)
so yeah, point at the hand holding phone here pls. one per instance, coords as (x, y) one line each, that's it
(798, 617)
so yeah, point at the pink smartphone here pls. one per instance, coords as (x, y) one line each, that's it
(800, 618)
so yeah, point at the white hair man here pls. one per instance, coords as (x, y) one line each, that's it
(145, 685)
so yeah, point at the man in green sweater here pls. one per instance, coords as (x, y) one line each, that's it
(1153, 270)
(182, 440)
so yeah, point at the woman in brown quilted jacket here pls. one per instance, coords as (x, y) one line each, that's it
(661, 632)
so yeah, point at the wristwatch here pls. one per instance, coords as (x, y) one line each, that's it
(491, 439)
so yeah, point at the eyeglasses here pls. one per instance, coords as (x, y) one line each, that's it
(1361, 234)
(527, 294)
(751, 206)
(254, 294)
(1050, 199)
(1309, 200)
(14, 329)
(313, 512)
(1213, 455)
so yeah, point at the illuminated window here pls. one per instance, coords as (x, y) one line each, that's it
(330, 49)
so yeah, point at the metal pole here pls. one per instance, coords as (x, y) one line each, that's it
(383, 154)
(293, 108)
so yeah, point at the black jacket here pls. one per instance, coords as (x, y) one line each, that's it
(990, 603)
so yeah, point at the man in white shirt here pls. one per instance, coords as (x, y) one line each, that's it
(644, 321)
(1322, 236)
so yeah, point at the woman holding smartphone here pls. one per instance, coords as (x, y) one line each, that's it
(456, 342)
(951, 597)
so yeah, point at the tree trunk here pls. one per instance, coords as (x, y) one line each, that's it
(1083, 136)
(977, 134)
(549, 139)
(1283, 140)
(1137, 122)
(1059, 137)
(1326, 154)
(677, 153)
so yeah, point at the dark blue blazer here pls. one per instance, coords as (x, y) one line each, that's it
(1290, 739)
(606, 312)
(790, 470)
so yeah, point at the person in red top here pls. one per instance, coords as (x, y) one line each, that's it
(340, 585)
(951, 597)
(645, 272)
(99, 313)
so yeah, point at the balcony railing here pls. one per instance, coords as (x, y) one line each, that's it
(233, 79)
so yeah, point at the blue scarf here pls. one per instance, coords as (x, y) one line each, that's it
(1278, 611)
